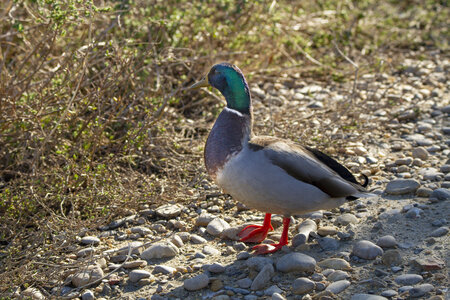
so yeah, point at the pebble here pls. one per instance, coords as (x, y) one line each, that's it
(429, 263)
(177, 241)
(445, 168)
(273, 289)
(413, 213)
(391, 257)
(134, 264)
(143, 231)
(217, 226)
(367, 297)
(346, 219)
(335, 263)
(420, 290)
(327, 230)
(196, 283)
(302, 285)
(87, 275)
(244, 283)
(160, 250)
(424, 192)
(408, 279)
(404, 288)
(387, 241)
(90, 240)
(421, 153)
(32, 293)
(401, 186)
(328, 243)
(389, 293)
(440, 194)
(296, 262)
(338, 286)
(262, 278)
(169, 210)
(137, 275)
(87, 295)
(366, 250)
(216, 268)
(258, 262)
(85, 252)
(441, 231)
(162, 269)
(304, 230)
(209, 250)
(337, 275)
(277, 296)
(196, 239)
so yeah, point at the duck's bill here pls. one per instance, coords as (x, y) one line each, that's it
(202, 83)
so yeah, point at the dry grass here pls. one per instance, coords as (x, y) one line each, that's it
(94, 123)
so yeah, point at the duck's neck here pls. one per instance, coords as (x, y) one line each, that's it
(229, 135)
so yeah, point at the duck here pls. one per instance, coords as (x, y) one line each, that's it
(266, 173)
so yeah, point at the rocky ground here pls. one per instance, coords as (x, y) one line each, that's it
(394, 245)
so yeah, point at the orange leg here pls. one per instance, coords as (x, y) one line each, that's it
(271, 248)
(256, 233)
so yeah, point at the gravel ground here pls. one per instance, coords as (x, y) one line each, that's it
(392, 246)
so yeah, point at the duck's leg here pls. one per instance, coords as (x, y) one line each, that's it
(271, 248)
(256, 233)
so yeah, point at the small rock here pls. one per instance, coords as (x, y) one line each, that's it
(277, 296)
(204, 219)
(85, 252)
(134, 264)
(216, 284)
(424, 192)
(262, 278)
(271, 290)
(296, 262)
(196, 239)
(217, 226)
(366, 250)
(387, 241)
(258, 262)
(420, 290)
(137, 275)
(196, 283)
(429, 263)
(404, 161)
(401, 186)
(413, 213)
(346, 219)
(327, 230)
(90, 240)
(216, 268)
(143, 231)
(177, 241)
(337, 275)
(160, 250)
(302, 285)
(32, 293)
(335, 263)
(391, 257)
(87, 275)
(328, 243)
(408, 279)
(231, 233)
(421, 153)
(244, 283)
(367, 297)
(338, 286)
(304, 230)
(87, 295)
(441, 231)
(162, 269)
(389, 293)
(209, 250)
(169, 210)
(440, 194)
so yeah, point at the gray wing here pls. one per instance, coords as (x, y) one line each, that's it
(304, 165)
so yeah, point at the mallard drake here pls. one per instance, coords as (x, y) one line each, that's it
(270, 174)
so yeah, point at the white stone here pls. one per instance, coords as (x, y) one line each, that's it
(160, 250)
(196, 283)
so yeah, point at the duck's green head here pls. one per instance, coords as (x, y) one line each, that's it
(230, 81)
